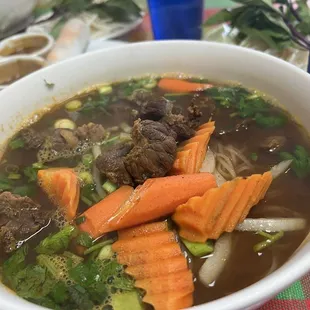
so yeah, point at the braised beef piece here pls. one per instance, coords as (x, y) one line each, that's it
(153, 153)
(63, 139)
(151, 106)
(20, 217)
(32, 138)
(91, 131)
(111, 164)
(66, 139)
(180, 125)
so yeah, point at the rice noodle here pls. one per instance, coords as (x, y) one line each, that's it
(272, 224)
(230, 162)
(213, 266)
(208, 164)
(220, 180)
(96, 174)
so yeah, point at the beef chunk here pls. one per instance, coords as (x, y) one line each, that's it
(151, 106)
(63, 139)
(153, 153)
(111, 164)
(92, 132)
(32, 138)
(20, 217)
(180, 125)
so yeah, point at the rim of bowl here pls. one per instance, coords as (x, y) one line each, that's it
(40, 52)
(253, 295)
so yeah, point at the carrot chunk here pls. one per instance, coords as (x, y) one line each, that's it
(181, 86)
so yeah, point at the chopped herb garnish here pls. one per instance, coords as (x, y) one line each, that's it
(301, 161)
(270, 239)
(84, 239)
(254, 156)
(266, 121)
(80, 220)
(16, 143)
(49, 85)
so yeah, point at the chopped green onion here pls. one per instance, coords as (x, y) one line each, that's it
(266, 243)
(109, 187)
(38, 166)
(106, 252)
(87, 160)
(150, 84)
(125, 127)
(73, 105)
(253, 96)
(86, 177)
(199, 248)
(14, 176)
(84, 239)
(98, 246)
(16, 143)
(80, 220)
(111, 140)
(95, 197)
(254, 156)
(86, 201)
(105, 89)
(64, 123)
(125, 137)
(175, 95)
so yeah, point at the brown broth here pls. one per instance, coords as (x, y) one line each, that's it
(244, 267)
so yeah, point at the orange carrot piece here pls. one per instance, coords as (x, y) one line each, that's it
(97, 217)
(161, 252)
(140, 243)
(171, 300)
(161, 270)
(243, 202)
(220, 209)
(181, 86)
(157, 269)
(62, 187)
(228, 209)
(142, 230)
(159, 197)
(193, 153)
(182, 280)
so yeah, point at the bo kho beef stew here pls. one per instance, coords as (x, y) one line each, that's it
(150, 193)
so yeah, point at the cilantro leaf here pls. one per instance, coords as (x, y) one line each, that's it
(301, 161)
(16, 143)
(266, 121)
(57, 242)
(84, 239)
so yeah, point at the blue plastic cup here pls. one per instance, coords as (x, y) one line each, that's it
(176, 19)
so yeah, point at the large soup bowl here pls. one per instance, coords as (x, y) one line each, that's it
(288, 84)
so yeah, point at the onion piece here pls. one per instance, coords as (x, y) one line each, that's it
(220, 180)
(208, 164)
(272, 224)
(213, 266)
(96, 174)
(280, 168)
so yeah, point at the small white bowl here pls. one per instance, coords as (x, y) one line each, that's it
(31, 44)
(16, 67)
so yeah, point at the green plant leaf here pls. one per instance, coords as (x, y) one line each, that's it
(220, 17)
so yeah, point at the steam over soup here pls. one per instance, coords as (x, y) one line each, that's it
(152, 193)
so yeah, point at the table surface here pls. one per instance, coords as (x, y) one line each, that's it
(297, 296)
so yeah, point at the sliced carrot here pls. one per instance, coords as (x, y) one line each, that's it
(62, 187)
(181, 86)
(220, 209)
(138, 244)
(157, 269)
(190, 158)
(143, 230)
(161, 270)
(177, 281)
(171, 300)
(159, 197)
(228, 209)
(243, 202)
(164, 251)
(97, 217)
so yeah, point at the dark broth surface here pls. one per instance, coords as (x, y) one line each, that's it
(290, 193)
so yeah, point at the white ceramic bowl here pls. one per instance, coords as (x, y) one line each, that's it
(290, 85)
